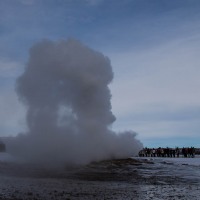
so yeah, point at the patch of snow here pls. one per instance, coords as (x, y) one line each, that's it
(181, 161)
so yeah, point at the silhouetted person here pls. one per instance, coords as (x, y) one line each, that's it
(177, 152)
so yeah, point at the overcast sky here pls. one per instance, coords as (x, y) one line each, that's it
(154, 48)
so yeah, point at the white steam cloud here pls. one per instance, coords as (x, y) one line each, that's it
(65, 89)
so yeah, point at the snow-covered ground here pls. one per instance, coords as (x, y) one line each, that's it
(179, 178)
(181, 160)
(187, 168)
(138, 178)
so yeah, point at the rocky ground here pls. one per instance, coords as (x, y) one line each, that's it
(113, 179)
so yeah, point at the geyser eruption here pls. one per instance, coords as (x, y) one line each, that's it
(65, 89)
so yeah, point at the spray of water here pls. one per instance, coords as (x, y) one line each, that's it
(65, 89)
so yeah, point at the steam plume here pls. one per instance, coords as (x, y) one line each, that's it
(65, 89)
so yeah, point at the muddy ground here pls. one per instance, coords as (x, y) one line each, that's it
(113, 179)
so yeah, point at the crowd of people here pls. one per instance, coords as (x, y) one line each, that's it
(168, 152)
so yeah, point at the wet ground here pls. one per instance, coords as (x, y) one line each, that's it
(113, 179)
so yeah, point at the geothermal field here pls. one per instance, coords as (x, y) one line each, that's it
(132, 178)
(69, 150)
